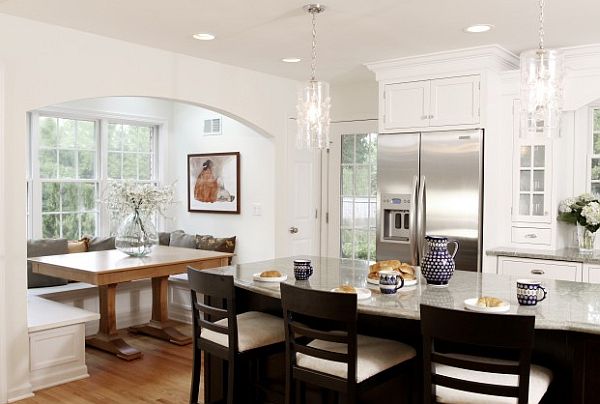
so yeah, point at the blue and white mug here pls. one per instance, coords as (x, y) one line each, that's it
(302, 269)
(530, 292)
(390, 281)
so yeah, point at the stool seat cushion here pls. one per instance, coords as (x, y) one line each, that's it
(539, 380)
(255, 330)
(374, 355)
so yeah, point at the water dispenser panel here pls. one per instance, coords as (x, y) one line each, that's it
(395, 209)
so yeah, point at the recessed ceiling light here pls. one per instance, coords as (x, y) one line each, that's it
(479, 28)
(204, 36)
(291, 60)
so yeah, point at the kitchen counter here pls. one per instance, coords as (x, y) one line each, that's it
(565, 254)
(570, 306)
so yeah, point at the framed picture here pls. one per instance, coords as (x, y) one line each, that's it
(214, 182)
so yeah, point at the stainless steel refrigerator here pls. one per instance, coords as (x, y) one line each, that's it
(430, 183)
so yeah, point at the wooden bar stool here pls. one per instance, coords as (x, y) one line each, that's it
(324, 349)
(505, 376)
(220, 331)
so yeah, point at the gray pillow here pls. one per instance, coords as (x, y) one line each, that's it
(38, 248)
(164, 237)
(101, 243)
(181, 239)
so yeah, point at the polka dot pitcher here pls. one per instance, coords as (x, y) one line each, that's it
(438, 265)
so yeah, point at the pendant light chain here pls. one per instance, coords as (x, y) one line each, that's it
(541, 30)
(313, 65)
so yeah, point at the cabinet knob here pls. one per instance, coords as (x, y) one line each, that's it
(537, 272)
(531, 235)
(293, 230)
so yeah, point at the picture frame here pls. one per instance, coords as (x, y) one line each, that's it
(214, 182)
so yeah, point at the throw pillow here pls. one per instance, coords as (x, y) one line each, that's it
(207, 242)
(38, 248)
(101, 243)
(164, 237)
(77, 246)
(180, 239)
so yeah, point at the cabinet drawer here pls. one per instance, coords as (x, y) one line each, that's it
(531, 235)
(591, 273)
(540, 269)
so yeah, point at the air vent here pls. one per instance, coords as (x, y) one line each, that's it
(212, 127)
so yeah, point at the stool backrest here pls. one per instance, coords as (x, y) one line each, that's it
(510, 334)
(218, 303)
(327, 316)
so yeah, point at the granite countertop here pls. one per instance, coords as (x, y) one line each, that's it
(564, 254)
(573, 306)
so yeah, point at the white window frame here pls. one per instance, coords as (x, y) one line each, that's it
(159, 125)
(591, 155)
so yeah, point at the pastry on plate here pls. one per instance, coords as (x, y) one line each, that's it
(390, 264)
(346, 289)
(488, 301)
(373, 275)
(406, 269)
(270, 274)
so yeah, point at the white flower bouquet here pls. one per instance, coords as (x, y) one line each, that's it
(584, 211)
(145, 199)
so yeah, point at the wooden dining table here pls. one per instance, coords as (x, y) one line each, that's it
(108, 268)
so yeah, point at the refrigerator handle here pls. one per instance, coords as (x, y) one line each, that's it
(412, 225)
(421, 220)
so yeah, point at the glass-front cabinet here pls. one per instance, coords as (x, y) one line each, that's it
(532, 185)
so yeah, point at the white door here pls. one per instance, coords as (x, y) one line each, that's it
(406, 105)
(303, 197)
(332, 174)
(454, 101)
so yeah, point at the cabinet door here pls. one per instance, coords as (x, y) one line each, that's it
(591, 273)
(454, 101)
(532, 181)
(406, 105)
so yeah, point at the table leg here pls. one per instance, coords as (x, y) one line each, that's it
(107, 338)
(160, 326)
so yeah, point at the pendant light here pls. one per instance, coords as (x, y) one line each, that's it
(541, 87)
(313, 99)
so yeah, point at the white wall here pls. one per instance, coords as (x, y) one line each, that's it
(255, 234)
(46, 65)
(352, 101)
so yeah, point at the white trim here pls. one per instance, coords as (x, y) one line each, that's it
(3, 320)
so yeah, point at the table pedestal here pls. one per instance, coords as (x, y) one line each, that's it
(160, 326)
(107, 338)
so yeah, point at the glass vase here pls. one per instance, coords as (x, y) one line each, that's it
(585, 239)
(136, 236)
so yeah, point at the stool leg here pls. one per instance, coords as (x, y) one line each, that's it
(195, 387)
(231, 381)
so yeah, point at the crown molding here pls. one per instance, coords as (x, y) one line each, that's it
(493, 58)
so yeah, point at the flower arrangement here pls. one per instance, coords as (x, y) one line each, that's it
(583, 210)
(144, 199)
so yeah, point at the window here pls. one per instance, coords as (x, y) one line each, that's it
(595, 162)
(358, 196)
(68, 156)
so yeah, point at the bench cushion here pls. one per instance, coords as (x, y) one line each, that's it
(38, 248)
(101, 243)
(181, 239)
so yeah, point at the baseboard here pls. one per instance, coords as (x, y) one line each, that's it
(57, 378)
(20, 393)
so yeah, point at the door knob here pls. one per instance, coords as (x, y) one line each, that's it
(293, 230)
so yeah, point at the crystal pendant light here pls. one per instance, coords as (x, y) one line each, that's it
(541, 87)
(313, 99)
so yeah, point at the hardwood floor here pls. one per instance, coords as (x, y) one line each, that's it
(161, 376)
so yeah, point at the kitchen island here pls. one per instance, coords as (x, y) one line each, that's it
(567, 322)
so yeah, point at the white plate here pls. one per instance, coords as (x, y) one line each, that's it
(277, 279)
(471, 304)
(361, 293)
(406, 283)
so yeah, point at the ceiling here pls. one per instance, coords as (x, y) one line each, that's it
(257, 34)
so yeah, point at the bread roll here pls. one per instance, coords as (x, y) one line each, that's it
(270, 274)
(347, 289)
(487, 301)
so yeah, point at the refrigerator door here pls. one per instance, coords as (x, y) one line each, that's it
(451, 178)
(397, 181)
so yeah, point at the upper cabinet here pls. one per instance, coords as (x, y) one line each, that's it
(436, 103)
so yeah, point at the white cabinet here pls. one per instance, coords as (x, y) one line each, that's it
(530, 268)
(436, 103)
(591, 273)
